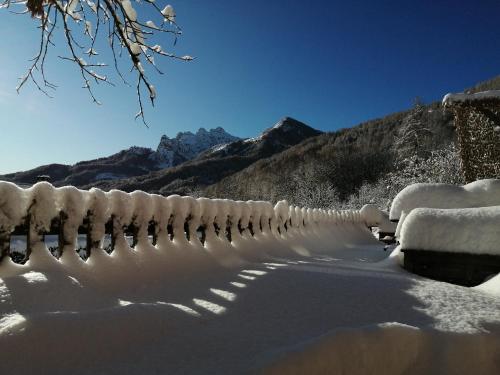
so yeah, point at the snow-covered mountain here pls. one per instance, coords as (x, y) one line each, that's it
(217, 162)
(186, 145)
(134, 161)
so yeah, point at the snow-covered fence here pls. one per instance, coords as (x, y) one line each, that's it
(83, 221)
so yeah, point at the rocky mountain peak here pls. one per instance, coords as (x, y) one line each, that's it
(186, 145)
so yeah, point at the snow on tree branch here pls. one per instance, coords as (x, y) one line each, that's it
(115, 20)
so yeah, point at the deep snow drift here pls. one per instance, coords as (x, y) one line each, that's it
(294, 290)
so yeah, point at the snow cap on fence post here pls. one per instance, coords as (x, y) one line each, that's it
(142, 214)
(292, 215)
(331, 217)
(268, 217)
(121, 211)
(281, 213)
(208, 211)
(42, 198)
(255, 214)
(13, 206)
(194, 216)
(143, 207)
(73, 205)
(121, 208)
(298, 217)
(371, 215)
(180, 212)
(221, 216)
(235, 211)
(161, 211)
(305, 216)
(246, 212)
(98, 209)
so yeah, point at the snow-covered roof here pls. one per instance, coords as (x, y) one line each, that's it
(476, 194)
(463, 230)
(450, 99)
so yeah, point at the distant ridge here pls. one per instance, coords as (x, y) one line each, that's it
(218, 162)
(134, 161)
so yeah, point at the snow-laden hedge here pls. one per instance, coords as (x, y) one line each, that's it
(466, 230)
(148, 218)
(480, 193)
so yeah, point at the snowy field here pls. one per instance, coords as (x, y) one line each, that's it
(342, 306)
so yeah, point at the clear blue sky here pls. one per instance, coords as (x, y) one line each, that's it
(331, 64)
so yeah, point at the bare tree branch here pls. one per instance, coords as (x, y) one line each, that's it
(125, 33)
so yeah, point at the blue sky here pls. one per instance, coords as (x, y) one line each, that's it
(331, 64)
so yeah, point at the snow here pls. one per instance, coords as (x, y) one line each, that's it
(479, 193)
(323, 297)
(385, 225)
(220, 147)
(374, 217)
(152, 92)
(13, 205)
(152, 25)
(282, 124)
(136, 50)
(491, 286)
(466, 230)
(169, 13)
(45, 209)
(186, 145)
(450, 99)
(129, 10)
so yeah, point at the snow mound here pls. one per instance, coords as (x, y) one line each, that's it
(491, 286)
(480, 193)
(465, 230)
(374, 217)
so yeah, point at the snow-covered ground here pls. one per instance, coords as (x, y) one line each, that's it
(324, 301)
(320, 296)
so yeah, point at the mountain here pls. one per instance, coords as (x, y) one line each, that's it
(288, 156)
(343, 159)
(186, 145)
(218, 162)
(134, 161)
